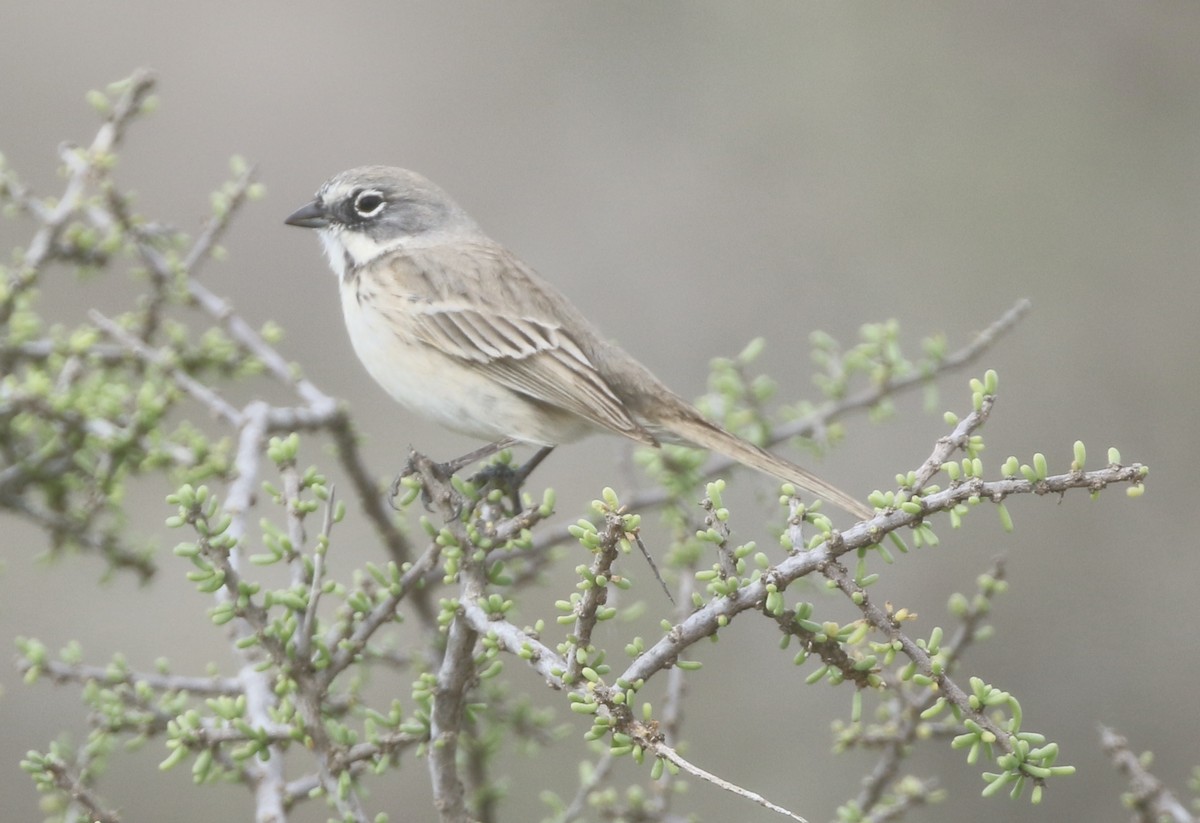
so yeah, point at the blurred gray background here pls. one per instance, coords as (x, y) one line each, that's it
(694, 174)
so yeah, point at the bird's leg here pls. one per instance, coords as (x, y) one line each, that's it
(443, 471)
(510, 479)
(457, 464)
(526, 469)
(522, 473)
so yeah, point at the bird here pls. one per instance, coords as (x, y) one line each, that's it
(461, 331)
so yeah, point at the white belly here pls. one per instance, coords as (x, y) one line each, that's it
(443, 389)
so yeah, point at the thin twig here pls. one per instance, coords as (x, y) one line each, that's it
(667, 753)
(906, 723)
(349, 648)
(835, 409)
(73, 786)
(578, 805)
(107, 138)
(215, 229)
(249, 339)
(305, 633)
(1152, 801)
(595, 596)
(201, 393)
(538, 656)
(61, 672)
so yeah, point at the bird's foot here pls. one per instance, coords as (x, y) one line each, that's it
(433, 476)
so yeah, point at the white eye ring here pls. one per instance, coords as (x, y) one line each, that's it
(369, 203)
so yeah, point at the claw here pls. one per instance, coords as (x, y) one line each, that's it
(501, 475)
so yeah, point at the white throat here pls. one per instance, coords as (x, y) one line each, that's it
(348, 250)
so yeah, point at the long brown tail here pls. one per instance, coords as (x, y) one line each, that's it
(709, 436)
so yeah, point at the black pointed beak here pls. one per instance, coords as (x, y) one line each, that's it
(309, 216)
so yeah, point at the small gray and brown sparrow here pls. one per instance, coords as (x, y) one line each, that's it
(455, 327)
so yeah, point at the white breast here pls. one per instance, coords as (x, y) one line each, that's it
(439, 387)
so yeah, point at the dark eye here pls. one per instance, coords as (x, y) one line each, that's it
(368, 203)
